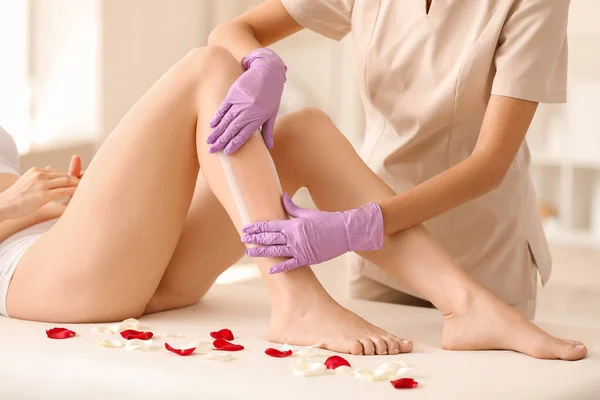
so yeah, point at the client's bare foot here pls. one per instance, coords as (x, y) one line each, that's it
(485, 323)
(321, 320)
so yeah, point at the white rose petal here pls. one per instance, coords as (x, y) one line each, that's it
(110, 343)
(286, 347)
(130, 323)
(137, 344)
(344, 370)
(102, 330)
(307, 351)
(385, 372)
(364, 374)
(306, 368)
(217, 357)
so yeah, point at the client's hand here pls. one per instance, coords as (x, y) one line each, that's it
(253, 101)
(75, 167)
(315, 236)
(34, 189)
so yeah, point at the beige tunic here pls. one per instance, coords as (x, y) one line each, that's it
(426, 79)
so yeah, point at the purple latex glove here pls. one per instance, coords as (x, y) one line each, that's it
(253, 101)
(315, 236)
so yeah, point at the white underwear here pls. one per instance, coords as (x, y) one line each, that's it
(11, 251)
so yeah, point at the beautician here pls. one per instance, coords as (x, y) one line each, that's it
(450, 88)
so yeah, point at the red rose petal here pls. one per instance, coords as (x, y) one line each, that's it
(224, 345)
(130, 334)
(336, 361)
(404, 383)
(222, 334)
(278, 353)
(60, 333)
(181, 352)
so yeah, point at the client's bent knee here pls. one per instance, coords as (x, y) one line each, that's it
(211, 60)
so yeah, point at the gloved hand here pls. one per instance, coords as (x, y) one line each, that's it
(253, 101)
(314, 236)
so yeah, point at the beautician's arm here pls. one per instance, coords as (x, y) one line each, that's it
(504, 127)
(261, 26)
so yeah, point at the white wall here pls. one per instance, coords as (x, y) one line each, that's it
(64, 69)
(93, 59)
(141, 39)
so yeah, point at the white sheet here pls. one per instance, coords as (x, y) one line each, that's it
(34, 367)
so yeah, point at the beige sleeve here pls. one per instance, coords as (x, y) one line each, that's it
(330, 18)
(531, 58)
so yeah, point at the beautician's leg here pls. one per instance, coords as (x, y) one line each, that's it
(338, 180)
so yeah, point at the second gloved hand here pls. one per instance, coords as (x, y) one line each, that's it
(314, 236)
(252, 102)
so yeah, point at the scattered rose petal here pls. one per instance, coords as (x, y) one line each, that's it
(336, 361)
(395, 370)
(168, 335)
(217, 357)
(286, 347)
(306, 352)
(306, 368)
(224, 345)
(181, 352)
(130, 323)
(310, 352)
(222, 334)
(60, 333)
(344, 370)
(131, 334)
(404, 383)
(137, 344)
(203, 346)
(110, 343)
(364, 374)
(102, 330)
(384, 372)
(277, 353)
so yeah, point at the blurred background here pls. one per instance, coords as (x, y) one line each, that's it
(71, 69)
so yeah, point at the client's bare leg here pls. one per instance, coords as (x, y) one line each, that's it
(302, 312)
(311, 152)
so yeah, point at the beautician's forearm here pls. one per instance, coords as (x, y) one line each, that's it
(466, 181)
(504, 127)
(236, 36)
(261, 26)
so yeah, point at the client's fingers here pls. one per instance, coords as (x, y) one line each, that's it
(269, 251)
(75, 166)
(62, 181)
(60, 192)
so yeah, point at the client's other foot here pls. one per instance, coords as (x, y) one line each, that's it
(321, 320)
(485, 323)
